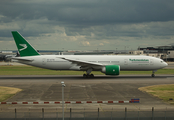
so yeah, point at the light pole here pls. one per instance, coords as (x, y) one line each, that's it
(63, 85)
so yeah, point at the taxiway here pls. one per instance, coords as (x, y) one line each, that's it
(101, 88)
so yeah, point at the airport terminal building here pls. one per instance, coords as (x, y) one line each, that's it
(164, 52)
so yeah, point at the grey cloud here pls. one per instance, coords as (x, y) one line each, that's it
(93, 19)
(92, 13)
(141, 30)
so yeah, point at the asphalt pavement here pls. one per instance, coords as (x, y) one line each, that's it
(101, 88)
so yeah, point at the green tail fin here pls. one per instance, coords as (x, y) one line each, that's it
(24, 48)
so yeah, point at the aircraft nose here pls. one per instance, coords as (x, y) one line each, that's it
(165, 64)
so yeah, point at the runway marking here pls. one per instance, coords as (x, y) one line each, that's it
(73, 102)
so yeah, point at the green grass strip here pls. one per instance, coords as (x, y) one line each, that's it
(164, 92)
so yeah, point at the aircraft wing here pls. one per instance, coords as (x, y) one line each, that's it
(82, 63)
(22, 59)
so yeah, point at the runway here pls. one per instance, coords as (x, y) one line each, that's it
(101, 88)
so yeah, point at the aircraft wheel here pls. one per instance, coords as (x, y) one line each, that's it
(92, 75)
(84, 75)
(153, 75)
(88, 75)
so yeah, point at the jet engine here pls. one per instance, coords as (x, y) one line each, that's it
(111, 70)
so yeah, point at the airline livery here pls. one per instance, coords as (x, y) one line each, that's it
(107, 64)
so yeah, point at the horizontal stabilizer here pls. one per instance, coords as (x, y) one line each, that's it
(22, 59)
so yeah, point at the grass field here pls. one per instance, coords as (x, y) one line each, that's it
(7, 92)
(164, 92)
(29, 70)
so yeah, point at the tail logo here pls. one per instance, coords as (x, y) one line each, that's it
(24, 47)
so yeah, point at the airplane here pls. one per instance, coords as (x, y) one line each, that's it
(107, 64)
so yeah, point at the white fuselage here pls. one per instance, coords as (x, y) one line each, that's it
(126, 62)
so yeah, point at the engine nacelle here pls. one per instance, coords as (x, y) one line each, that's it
(111, 70)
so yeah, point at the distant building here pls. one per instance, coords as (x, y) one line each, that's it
(7, 51)
(138, 52)
(170, 55)
(159, 49)
(2, 57)
(141, 52)
(164, 52)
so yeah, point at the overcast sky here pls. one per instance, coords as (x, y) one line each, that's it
(87, 24)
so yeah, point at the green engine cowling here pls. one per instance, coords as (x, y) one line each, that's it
(111, 70)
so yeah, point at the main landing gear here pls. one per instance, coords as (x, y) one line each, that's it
(153, 73)
(88, 75)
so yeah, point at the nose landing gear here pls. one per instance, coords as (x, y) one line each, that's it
(153, 73)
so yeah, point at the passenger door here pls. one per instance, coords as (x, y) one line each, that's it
(151, 62)
(44, 61)
(125, 61)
